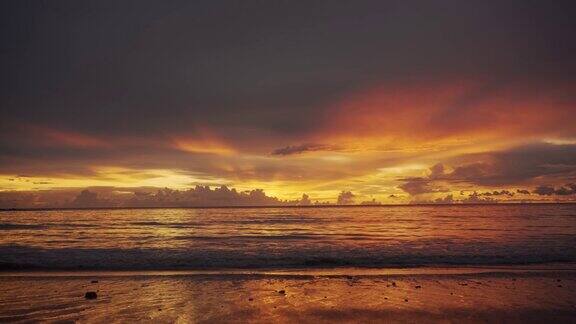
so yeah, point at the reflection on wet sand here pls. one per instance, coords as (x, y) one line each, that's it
(481, 297)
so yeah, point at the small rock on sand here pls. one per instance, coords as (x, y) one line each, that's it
(282, 292)
(90, 295)
(418, 287)
(250, 299)
(94, 281)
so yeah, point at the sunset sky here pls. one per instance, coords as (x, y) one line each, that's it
(397, 101)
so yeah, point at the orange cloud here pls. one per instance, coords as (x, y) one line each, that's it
(203, 145)
(425, 116)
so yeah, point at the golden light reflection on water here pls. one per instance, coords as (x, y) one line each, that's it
(356, 226)
(280, 237)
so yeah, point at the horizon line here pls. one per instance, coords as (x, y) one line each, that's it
(290, 206)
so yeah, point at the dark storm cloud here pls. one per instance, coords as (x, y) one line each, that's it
(302, 148)
(515, 166)
(569, 189)
(421, 185)
(147, 67)
(518, 165)
(417, 185)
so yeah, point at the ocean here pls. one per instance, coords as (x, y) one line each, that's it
(287, 238)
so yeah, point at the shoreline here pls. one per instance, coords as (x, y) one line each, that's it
(311, 272)
(479, 295)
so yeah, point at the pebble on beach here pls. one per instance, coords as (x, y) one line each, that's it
(282, 292)
(91, 295)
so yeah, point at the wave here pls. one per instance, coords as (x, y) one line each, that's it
(42, 226)
(16, 226)
(28, 258)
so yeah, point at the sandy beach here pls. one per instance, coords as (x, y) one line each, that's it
(444, 295)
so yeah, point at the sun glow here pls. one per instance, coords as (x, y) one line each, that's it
(209, 146)
(101, 176)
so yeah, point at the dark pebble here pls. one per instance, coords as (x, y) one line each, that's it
(94, 281)
(282, 292)
(559, 286)
(250, 299)
(418, 287)
(406, 300)
(90, 295)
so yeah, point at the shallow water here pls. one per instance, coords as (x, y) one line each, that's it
(141, 239)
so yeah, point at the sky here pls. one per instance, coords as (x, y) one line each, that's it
(366, 101)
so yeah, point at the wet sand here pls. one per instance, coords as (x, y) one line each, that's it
(453, 295)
